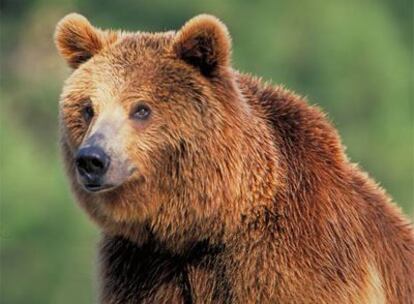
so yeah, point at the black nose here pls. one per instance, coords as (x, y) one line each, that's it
(92, 162)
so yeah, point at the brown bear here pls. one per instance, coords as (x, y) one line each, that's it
(211, 186)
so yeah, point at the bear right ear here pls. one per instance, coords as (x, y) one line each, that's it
(77, 40)
(204, 42)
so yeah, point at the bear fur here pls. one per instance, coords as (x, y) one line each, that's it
(242, 191)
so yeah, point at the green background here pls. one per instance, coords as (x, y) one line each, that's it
(353, 58)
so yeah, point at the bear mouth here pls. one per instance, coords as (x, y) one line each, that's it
(95, 188)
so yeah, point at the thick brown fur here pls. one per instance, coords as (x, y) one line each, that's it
(243, 193)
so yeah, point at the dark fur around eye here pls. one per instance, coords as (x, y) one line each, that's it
(141, 112)
(87, 112)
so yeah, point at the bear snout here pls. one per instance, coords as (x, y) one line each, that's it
(92, 163)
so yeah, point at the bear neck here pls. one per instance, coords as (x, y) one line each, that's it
(221, 186)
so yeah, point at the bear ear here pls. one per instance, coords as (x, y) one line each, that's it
(204, 43)
(77, 40)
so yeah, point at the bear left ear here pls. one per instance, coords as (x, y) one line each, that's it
(77, 40)
(204, 43)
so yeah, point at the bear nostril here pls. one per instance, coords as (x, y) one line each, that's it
(97, 163)
(80, 163)
(92, 161)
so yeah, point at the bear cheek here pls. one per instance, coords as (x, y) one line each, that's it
(73, 128)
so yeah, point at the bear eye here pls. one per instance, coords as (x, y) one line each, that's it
(141, 112)
(87, 112)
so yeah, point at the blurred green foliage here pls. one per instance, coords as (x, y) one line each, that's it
(353, 58)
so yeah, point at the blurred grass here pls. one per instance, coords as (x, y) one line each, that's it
(354, 58)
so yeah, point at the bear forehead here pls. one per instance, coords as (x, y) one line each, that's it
(138, 65)
(135, 47)
(138, 61)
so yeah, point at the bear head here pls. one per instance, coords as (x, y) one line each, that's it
(156, 136)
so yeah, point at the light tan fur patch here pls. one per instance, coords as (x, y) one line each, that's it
(373, 292)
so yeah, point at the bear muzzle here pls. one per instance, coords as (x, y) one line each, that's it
(99, 167)
(92, 163)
